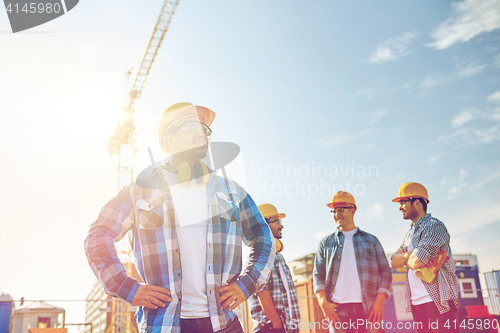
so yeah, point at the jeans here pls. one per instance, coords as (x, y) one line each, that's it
(349, 313)
(203, 325)
(268, 328)
(431, 320)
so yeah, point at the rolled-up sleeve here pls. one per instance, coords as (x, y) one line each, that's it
(384, 270)
(433, 237)
(319, 272)
(257, 235)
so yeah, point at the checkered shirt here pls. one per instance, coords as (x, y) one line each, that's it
(150, 214)
(371, 262)
(430, 235)
(278, 293)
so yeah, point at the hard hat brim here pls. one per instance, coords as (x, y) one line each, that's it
(398, 199)
(276, 216)
(340, 204)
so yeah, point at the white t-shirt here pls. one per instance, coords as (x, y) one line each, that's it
(191, 226)
(419, 294)
(348, 288)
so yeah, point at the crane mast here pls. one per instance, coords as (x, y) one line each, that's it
(122, 143)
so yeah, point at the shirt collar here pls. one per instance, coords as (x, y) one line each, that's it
(423, 219)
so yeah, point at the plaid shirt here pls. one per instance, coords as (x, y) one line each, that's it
(278, 293)
(370, 261)
(149, 212)
(430, 235)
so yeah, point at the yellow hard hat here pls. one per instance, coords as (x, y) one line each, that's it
(269, 211)
(342, 199)
(410, 191)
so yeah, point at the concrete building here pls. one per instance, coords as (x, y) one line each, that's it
(302, 268)
(37, 314)
(97, 310)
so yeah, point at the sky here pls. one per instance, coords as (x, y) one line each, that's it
(320, 96)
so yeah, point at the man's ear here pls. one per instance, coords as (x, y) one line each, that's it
(167, 140)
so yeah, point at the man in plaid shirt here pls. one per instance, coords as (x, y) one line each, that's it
(433, 304)
(275, 307)
(352, 277)
(188, 237)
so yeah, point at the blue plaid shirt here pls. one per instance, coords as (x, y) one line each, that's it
(375, 275)
(149, 212)
(276, 288)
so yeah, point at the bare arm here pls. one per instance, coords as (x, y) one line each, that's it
(266, 301)
(400, 258)
(414, 263)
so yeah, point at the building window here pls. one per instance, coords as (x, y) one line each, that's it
(43, 322)
(468, 288)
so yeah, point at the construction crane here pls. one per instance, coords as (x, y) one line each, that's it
(122, 143)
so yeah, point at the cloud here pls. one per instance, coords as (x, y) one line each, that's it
(470, 136)
(368, 93)
(495, 97)
(376, 115)
(459, 184)
(379, 113)
(392, 48)
(470, 69)
(429, 82)
(460, 222)
(375, 212)
(487, 179)
(468, 19)
(336, 140)
(342, 138)
(460, 72)
(462, 118)
(434, 159)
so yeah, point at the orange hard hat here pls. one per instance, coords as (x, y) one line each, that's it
(410, 191)
(342, 199)
(269, 211)
(180, 113)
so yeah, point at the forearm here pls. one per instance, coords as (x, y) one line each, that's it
(398, 260)
(414, 263)
(321, 297)
(263, 249)
(266, 301)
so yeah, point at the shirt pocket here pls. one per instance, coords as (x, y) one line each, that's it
(150, 213)
(226, 210)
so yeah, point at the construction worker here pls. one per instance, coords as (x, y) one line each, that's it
(275, 308)
(431, 297)
(351, 277)
(188, 225)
